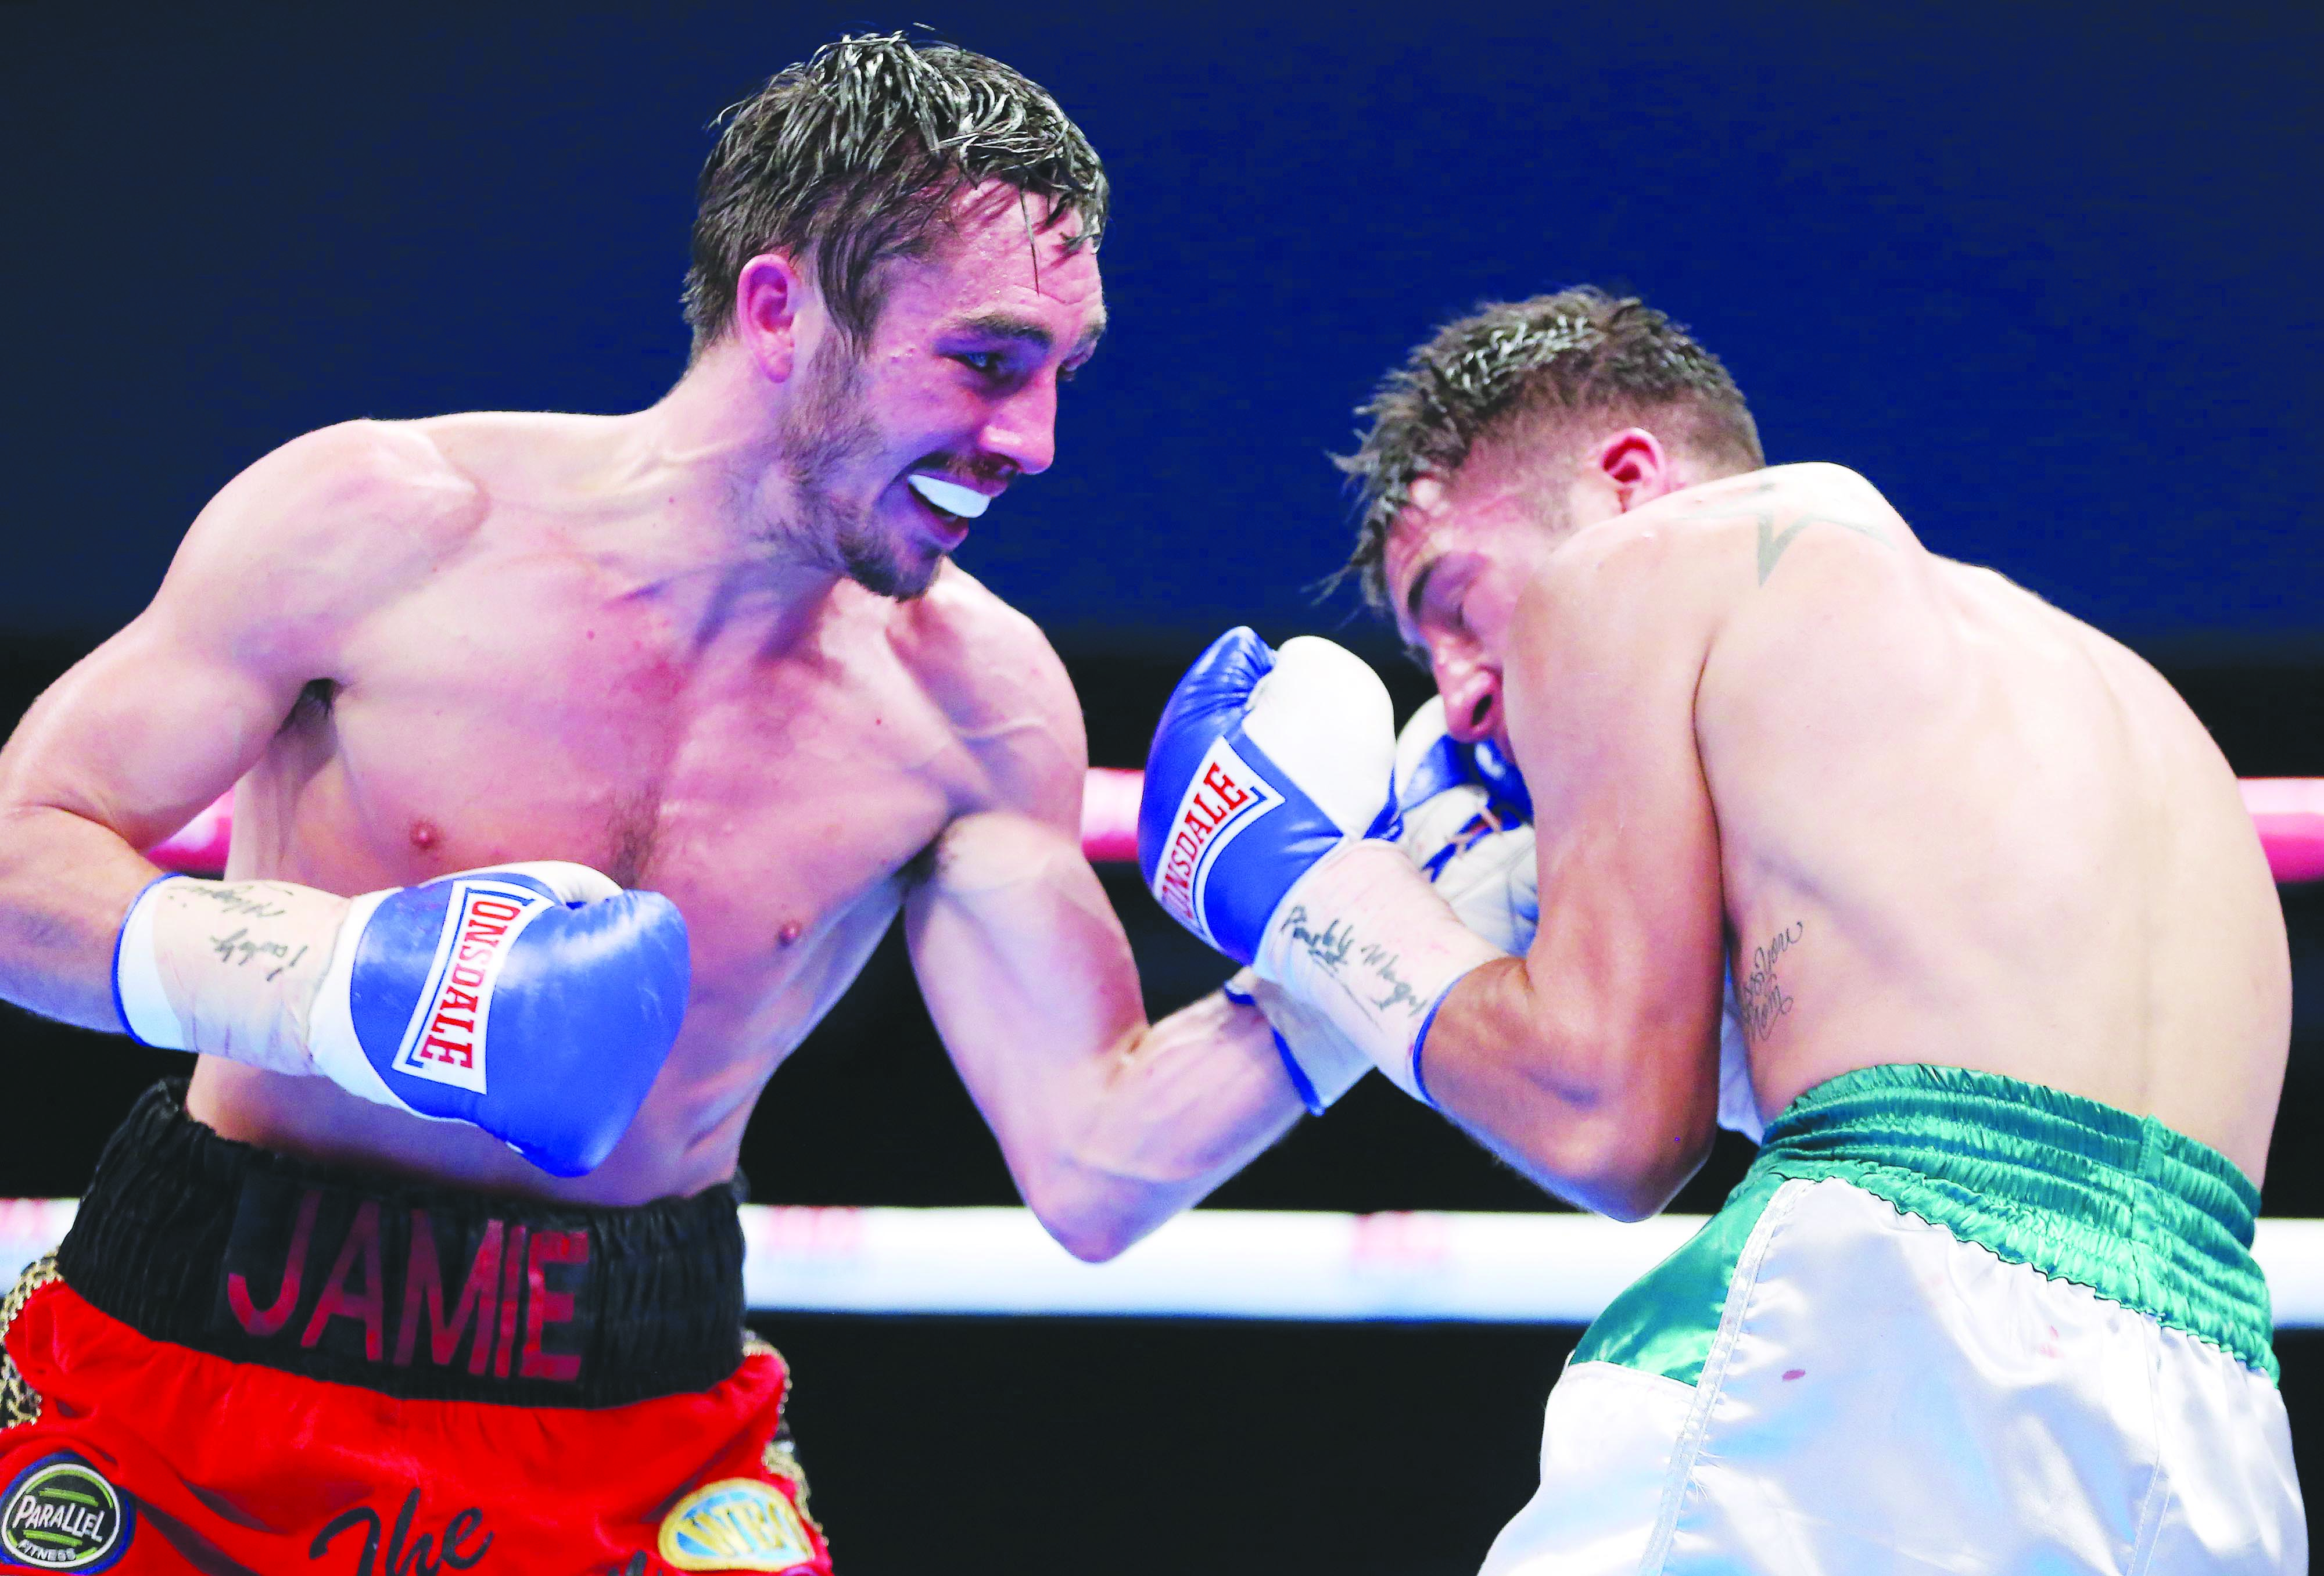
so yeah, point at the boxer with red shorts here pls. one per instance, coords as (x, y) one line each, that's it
(265, 1357)
(579, 763)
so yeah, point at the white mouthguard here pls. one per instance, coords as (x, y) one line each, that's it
(949, 496)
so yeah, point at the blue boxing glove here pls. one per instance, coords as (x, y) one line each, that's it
(1314, 761)
(1265, 829)
(1430, 762)
(537, 1002)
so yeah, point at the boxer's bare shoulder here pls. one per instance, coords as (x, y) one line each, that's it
(1951, 817)
(293, 553)
(999, 683)
(1701, 552)
(335, 514)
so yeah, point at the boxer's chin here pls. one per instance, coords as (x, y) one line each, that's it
(902, 570)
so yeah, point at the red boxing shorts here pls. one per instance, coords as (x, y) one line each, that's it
(242, 1362)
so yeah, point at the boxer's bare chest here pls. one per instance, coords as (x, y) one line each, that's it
(772, 787)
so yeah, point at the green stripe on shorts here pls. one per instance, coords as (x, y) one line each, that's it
(2140, 1214)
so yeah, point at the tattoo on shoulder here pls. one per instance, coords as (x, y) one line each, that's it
(1771, 542)
(1760, 999)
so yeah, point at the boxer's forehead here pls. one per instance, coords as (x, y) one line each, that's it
(1413, 551)
(1450, 520)
(1000, 264)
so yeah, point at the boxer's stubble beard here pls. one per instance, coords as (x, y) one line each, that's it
(826, 431)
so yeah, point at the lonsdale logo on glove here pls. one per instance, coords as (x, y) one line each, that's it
(1224, 797)
(444, 1041)
(390, 994)
(1291, 757)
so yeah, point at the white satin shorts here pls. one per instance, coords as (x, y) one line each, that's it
(1949, 1322)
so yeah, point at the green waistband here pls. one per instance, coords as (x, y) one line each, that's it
(2141, 1214)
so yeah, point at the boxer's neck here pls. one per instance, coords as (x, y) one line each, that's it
(714, 456)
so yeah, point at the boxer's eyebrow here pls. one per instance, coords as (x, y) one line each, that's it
(1034, 336)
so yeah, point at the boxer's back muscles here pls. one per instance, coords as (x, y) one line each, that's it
(1953, 824)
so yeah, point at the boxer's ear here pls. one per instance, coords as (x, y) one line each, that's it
(769, 294)
(1634, 464)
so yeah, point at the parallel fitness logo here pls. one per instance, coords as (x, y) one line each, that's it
(59, 1514)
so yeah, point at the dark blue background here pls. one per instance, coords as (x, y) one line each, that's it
(2049, 279)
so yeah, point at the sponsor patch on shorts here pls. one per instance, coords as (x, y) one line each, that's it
(736, 1524)
(61, 1515)
(444, 1040)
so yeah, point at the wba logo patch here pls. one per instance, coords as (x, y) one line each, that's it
(444, 1040)
(1225, 797)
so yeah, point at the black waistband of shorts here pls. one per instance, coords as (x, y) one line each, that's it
(411, 1288)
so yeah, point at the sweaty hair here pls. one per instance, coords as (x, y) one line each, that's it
(850, 159)
(1578, 354)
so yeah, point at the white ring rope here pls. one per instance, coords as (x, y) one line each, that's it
(1223, 1264)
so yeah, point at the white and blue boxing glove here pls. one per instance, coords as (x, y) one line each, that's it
(1467, 824)
(537, 1002)
(1266, 829)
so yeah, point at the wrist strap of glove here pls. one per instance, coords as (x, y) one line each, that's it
(1324, 1066)
(225, 968)
(331, 1039)
(1365, 942)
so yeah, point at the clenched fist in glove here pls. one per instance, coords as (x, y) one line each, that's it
(1267, 828)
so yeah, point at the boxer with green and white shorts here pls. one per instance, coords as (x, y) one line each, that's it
(1734, 788)
(1950, 1322)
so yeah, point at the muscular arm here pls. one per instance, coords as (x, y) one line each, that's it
(1110, 1125)
(1591, 1063)
(169, 713)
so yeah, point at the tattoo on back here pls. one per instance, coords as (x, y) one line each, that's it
(1773, 542)
(1758, 506)
(1760, 999)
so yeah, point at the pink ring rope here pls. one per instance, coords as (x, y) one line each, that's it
(2289, 812)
